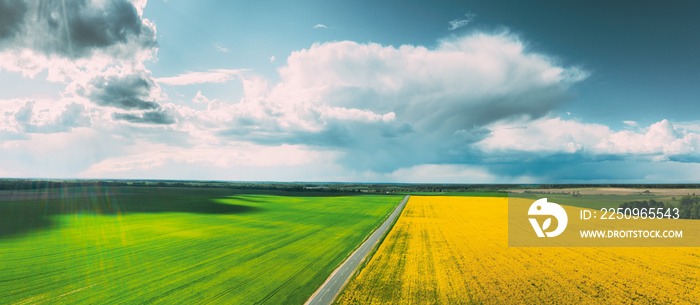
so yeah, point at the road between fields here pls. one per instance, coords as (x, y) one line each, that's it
(335, 283)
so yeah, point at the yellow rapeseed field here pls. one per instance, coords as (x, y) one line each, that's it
(454, 250)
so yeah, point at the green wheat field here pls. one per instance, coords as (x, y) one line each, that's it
(175, 245)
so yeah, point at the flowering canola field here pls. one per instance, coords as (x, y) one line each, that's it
(454, 250)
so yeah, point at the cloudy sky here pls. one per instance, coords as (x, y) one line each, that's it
(352, 91)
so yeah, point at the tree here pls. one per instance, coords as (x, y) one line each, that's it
(687, 203)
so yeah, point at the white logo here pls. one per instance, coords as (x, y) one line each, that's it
(542, 207)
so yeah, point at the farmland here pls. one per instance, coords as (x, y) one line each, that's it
(452, 250)
(590, 198)
(175, 245)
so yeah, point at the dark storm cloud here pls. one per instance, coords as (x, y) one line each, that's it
(74, 28)
(389, 131)
(573, 168)
(150, 117)
(12, 14)
(335, 135)
(130, 92)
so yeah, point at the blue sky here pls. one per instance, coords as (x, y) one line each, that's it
(366, 91)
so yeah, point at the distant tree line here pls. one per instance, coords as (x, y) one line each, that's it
(573, 193)
(689, 206)
(639, 186)
(329, 187)
(311, 187)
(644, 204)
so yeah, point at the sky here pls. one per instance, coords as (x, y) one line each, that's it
(351, 91)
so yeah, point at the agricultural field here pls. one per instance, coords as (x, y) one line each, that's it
(454, 250)
(597, 201)
(617, 191)
(175, 245)
(596, 198)
(460, 194)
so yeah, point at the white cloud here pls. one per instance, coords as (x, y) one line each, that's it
(661, 138)
(211, 76)
(139, 5)
(630, 123)
(345, 114)
(201, 99)
(22, 116)
(340, 109)
(147, 156)
(553, 135)
(220, 48)
(543, 135)
(388, 107)
(457, 83)
(458, 23)
(97, 48)
(76, 38)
